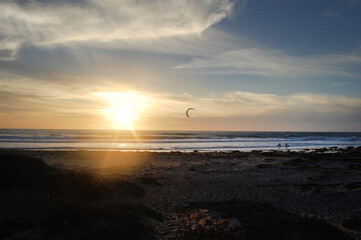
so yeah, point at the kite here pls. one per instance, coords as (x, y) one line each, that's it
(189, 110)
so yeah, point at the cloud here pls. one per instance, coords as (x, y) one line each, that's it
(331, 13)
(237, 110)
(352, 2)
(44, 23)
(266, 62)
(29, 110)
(339, 84)
(254, 111)
(248, 103)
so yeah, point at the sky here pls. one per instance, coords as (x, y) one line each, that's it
(251, 65)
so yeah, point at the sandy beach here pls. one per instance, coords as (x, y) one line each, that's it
(180, 120)
(322, 185)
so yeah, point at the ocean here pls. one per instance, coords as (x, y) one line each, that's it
(31, 139)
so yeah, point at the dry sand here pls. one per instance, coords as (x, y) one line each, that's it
(324, 185)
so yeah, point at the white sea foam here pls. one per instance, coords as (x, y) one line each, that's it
(172, 141)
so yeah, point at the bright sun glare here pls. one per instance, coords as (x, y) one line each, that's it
(124, 108)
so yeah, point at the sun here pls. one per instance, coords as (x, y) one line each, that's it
(122, 115)
(124, 108)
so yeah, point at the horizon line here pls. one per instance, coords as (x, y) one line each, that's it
(170, 130)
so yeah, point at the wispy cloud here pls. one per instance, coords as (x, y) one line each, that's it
(49, 22)
(167, 111)
(266, 62)
(248, 103)
(352, 2)
(331, 13)
(255, 111)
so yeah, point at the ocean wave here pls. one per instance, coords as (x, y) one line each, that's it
(171, 140)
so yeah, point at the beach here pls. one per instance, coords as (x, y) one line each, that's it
(180, 120)
(322, 184)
